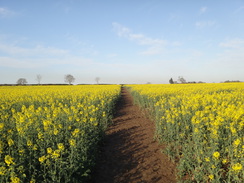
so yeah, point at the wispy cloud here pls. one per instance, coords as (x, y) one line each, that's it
(39, 56)
(111, 55)
(5, 12)
(203, 9)
(155, 46)
(204, 24)
(232, 56)
(233, 43)
(14, 62)
(37, 50)
(176, 43)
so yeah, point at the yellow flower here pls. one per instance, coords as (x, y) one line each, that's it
(1, 126)
(2, 170)
(21, 151)
(61, 146)
(10, 142)
(46, 124)
(72, 142)
(32, 181)
(56, 154)
(29, 143)
(42, 159)
(49, 150)
(211, 176)
(213, 166)
(237, 142)
(15, 180)
(55, 131)
(207, 159)
(224, 161)
(40, 135)
(8, 160)
(216, 154)
(75, 132)
(35, 147)
(236, 167)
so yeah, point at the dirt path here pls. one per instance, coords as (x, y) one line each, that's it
(129, 154)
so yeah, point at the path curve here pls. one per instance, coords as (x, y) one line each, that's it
(129, 153)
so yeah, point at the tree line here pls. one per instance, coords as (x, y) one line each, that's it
(181, 80)
(67, 79)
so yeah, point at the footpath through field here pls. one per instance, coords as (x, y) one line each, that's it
(129, 153)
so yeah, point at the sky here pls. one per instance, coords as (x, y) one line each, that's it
(121, 41)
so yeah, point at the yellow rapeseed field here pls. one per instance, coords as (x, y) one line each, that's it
(51, 133)
(203, 126)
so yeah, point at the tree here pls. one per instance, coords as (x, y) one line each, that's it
(38, 78)
(97, 79)
(181, 79)
(171, 81)
(21, 81)
(69, 78)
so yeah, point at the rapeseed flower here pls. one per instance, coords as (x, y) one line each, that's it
(237, 142)
(15, 180)
(9, 160)
(236, 167)
(216, 154)
(42, 159)
(1, 126)
(56, 154)
(3, 170)
(211, 176)
(72, 142)
(10, 142)
(49, 150)
(61, 146)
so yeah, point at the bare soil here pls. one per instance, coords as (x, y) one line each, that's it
(129, 153)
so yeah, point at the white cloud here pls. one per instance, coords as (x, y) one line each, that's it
(203, 9)
(4, 12)
(39, 56)
(37, 50)
(152, 51)
(233, 43)
(156, 46)
(203, 24)
(13, 62)
(121, 30)
(176, 43)
(232, 56)
(112, 55)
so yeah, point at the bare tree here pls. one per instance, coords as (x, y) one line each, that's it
(181, 79)
(97, 79)
(38, 78)
(69, 78)
(21, 81)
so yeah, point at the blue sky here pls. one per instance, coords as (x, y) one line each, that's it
(129, 41)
